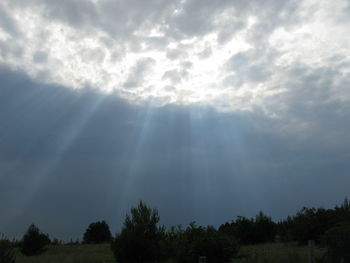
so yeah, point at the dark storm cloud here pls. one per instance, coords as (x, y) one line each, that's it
(191, 162)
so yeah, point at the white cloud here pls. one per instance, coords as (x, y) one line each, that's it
(232, 55)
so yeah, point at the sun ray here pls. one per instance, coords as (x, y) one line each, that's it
(43, 172)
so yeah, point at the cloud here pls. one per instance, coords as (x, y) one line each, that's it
(175, 76)
(96, 43)
(40, 57)
(206, 53)
(138, 73)
(174, 54)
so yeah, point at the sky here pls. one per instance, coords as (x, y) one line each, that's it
(204, 109)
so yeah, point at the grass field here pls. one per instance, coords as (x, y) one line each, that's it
(276, 253)
(72, 254)
(266, 253)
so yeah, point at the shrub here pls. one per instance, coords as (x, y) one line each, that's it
(251, 231)
(97, 232)
(34, 242)
(187, 246)
(338, 243)
(265, 228)
(7, 253)
(140, 239)
(215, 246)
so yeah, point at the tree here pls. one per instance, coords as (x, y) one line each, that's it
(338, 243)
(97, 232)
(196, 241)
(140, 238)
(34, 242)
(7, 253)
(251, 231)
(265, 229)
(244, 230)
(214, 245)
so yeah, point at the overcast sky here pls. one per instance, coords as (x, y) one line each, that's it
(204, 109)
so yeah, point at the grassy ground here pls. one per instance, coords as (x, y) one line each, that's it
(266, 253)
(276, 253)
(72, 254)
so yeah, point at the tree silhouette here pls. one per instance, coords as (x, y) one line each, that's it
(265, 229)
(34, 242)
(7, 253)
(97, 232)
(216, 246)
(140, 238)
(338, 243)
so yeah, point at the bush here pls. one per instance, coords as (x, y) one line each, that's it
(265, 229)
(34, 242)
(7, 253)
(97, 233)
(187, 246)
(251, 231)
(338, 243)
(216, 247)
(140, 239)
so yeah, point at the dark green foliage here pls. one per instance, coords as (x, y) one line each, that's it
(73, 242)
(307, 225)
(97, 232)
(56, 242)
(251, 231)
(312, 223)
(34, 242)
(175, 244)
(265, 228)
(244, 230)
(140, 239)
(284, 230)
(7, 253)
(187, 246)
(338, 243)
(216, 246)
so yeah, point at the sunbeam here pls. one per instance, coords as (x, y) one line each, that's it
(137, 152)
(206, 110)
(62, 145)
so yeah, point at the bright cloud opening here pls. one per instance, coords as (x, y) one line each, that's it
(232, 63)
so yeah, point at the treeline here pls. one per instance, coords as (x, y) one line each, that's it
(312, 223)
(307, 224)
(142, 239)
(248, 231)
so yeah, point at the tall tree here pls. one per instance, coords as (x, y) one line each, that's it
(34, 242)
(97, 232)
(7, 253)
(140, 238)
